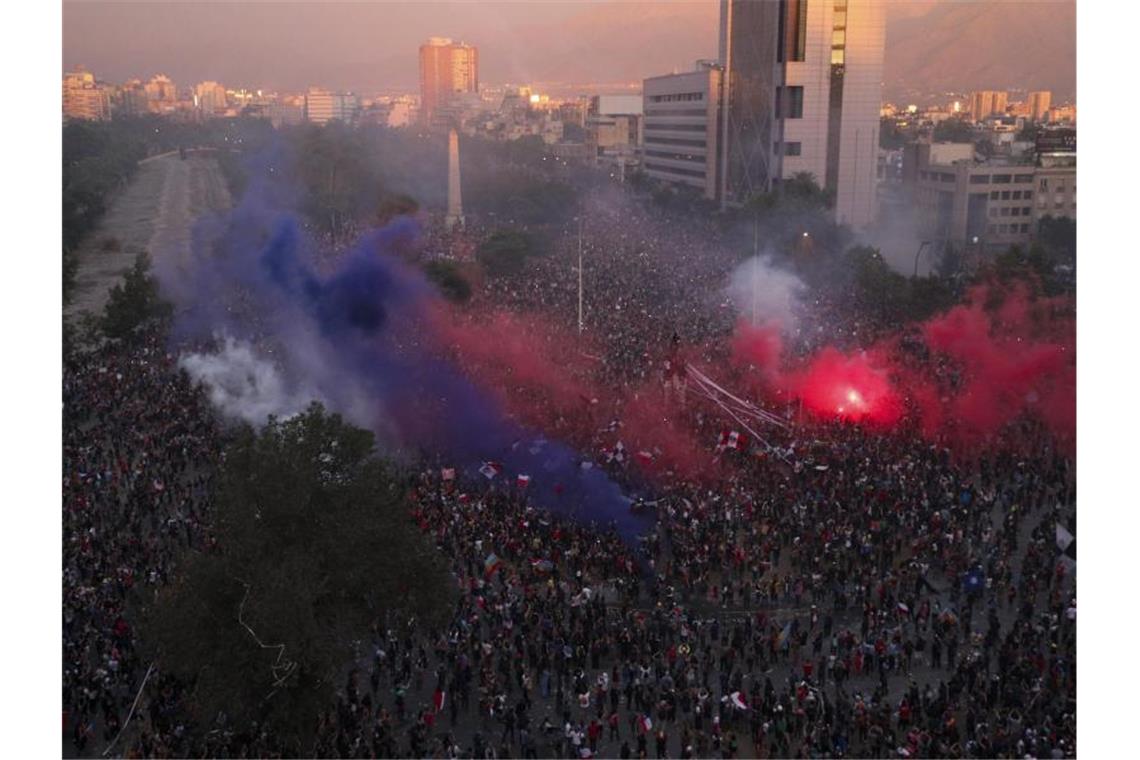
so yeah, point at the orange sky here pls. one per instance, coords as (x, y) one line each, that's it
(372, 47)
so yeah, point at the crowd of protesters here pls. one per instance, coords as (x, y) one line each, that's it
(870, 594)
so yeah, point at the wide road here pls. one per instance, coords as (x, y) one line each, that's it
(155, 213)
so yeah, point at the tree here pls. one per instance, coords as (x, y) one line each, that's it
(505, 252)
(314, 545)
(450, 281)
(1059, 234)
(890, 136)
(954, 130)
(134, 302)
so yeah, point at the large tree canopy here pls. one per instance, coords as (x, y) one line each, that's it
(314, 545)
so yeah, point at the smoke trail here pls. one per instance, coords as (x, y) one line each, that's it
(362, 337)
(243, 385)
(764, 293)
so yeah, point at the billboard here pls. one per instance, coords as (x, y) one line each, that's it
(1057, 141)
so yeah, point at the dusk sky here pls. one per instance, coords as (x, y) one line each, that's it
(372, 47)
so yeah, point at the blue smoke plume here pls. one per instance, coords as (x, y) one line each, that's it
(355, 334)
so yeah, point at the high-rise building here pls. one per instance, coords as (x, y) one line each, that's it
(1039, 103)
(682, 120)
(447, 69)
(985, 103)
(323, 106)
(803, 89)
(161, 90)
(84, 98)
(210, 97)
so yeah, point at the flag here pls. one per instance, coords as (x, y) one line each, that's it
(439, 698)
(1067, 546)
(491, 564)
(904, 609)
(542, 565)
(738, 701)
(490, 470)
(619, 452)
(732, 439)
(974, 580)
(447, 473)
(784, 634)
(464, 498)
(645, 458)
(522, 481)
(645, 723)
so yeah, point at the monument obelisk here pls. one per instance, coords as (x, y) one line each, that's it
(454, 195)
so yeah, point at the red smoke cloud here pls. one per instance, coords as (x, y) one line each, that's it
(991, 360)
(547, 377)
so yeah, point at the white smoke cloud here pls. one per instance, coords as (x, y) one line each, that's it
(764, 293)
(243, 385)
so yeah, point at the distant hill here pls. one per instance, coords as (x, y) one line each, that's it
(937, 46)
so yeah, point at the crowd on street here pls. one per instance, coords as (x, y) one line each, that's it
(873, 594)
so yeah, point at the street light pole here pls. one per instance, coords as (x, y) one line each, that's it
(580, 276)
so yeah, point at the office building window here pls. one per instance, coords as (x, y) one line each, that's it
(1005, 195)
(1015, 212)
(1016, 195)
(1025, 210)
(1024, 228)
(792, 41)
(1005, 212)
(1001, 179)
(1003, 228)
(790, 102)
(992, 229)
(979, 179)
(1023, 178)
(1028, 194)
(787, 149)
(993, 210)
(994, 195)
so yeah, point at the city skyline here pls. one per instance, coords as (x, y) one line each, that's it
(286, 46)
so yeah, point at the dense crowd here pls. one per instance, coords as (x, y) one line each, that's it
(871, 595)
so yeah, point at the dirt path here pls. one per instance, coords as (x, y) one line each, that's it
(155, 213)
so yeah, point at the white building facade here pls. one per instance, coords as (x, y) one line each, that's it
(803, 93)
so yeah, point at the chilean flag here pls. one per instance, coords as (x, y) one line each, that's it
(522, 481)
(645, 723)
(738, 701)
(490, 470)
(491, 564)
(439, 698)
(732, 440)
(645, 458)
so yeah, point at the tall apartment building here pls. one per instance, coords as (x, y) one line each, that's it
(614, 127)
(682, 127)
(987, 103)
(161, 89)
(323, 106)
(1038, 104)
(803, 93)
(84, 98)
(447, 69)
(210, 97)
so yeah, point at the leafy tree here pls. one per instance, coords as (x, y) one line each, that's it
(505, 252)
(890, 136)
(314, 545)
(450, 281)
(134, 302)
(1059, 234)
(394, 205)
(954, 130)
